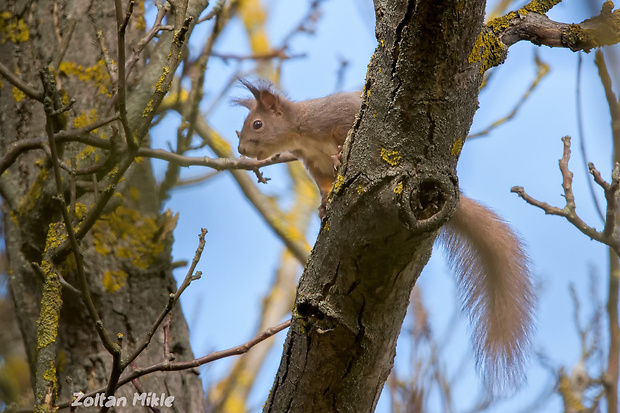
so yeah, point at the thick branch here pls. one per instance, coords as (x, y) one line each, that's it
(530, 23)
(601, 30)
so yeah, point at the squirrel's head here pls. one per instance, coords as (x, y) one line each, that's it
(269, 127)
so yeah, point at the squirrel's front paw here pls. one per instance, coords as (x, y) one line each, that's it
(336, 158)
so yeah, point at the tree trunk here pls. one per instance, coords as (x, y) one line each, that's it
(126, 254)
(397, 187)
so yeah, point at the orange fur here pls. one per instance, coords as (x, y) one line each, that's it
(493, 278)
(491, 266)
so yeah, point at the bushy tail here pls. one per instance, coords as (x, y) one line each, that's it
(494, 281)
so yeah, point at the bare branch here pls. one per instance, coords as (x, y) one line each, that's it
(20, 84)
(534, 26)
(189, 277)
(77, 135)
(219, 164)
(611, 191)
(569, 211)
(137, 50)
(217, 9)
(530, 23)
(166, 365)
(582, 138)
(121, 84)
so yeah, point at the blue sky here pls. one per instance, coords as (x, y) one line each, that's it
(242, 254)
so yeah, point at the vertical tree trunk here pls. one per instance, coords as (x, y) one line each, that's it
(398, 187)
(127, 253)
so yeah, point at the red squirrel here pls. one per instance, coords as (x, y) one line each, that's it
(491, 266)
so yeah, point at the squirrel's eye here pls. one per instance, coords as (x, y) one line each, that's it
(257, 124)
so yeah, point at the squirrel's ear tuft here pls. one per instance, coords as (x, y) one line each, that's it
(255, 89)
(265, 97)
(247, 102)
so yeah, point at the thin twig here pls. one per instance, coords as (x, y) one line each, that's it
(219, 164)
(78, 135)
(189, 277)
(166, 365)
(274, 54)
(185, 132)
(62, 280)
(217, 9)
(611, 191)
(582, 139)
(121, 83)
(196, 180)
(115, 372)
(20, 84)
(569, 211)
(137, 50)
(64, 44)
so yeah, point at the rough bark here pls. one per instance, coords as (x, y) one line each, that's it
(397, 187)
(127, 253)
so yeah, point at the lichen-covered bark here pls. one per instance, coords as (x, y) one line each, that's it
(127, 253)
(397, 187)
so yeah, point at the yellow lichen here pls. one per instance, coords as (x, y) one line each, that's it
(456, 147)
(488, 50)
(162, 78)
(13, 29)
(502, 23)
(51, 302)
(85, 119)
(360, 189)
(50, 374)
(391, 157)
(129, 235)
(18, 95)
(114, 280)
(398, 189)
(338, 184)
(80, 211)
(96, 74)
(148, 109)
(538, 6)
(89, 153)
